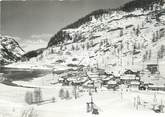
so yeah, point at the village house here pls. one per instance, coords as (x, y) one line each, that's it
(156, 87)
(64, 81)
(106, 79)
(131, 79)
(134, 85)
(112, 84)
(95, 75)
(153, 68)
(79, 81)
(127, 78)
(88, 84)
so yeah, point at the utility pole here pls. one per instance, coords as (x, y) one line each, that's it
(132, 55)
(75, 91)
(157, 61)
(90, 94)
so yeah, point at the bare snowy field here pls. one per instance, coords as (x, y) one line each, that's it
(110, 103)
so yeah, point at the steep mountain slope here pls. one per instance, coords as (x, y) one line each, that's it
(10, 51)
(128, 7)
(112, 39)
(31, 54)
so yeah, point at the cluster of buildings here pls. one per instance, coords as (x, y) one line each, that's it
(97, 78)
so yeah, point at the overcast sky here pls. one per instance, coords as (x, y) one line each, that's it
(39, 20)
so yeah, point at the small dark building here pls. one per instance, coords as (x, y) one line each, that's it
(112, 85)
(64, 81)
(128, 72)
(153, 68)
(105, 80)
(132, 72)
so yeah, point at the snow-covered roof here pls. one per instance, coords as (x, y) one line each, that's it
(107, 78)
(112, 82)
(157, 86)
(61, 79)
(71, 79)
(92, 73)
(88, 82)
(134, 82)
(129, 77)
(82, 79)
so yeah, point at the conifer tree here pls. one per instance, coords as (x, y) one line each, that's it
(29, 97)
(83, 46)
(37, 95)
(61, 93)
(67, 95)
(87, 45)
(73, 48)
(121, 33)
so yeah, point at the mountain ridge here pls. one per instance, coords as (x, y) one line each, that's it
(114, 40)
(128, 7)
(10, 50)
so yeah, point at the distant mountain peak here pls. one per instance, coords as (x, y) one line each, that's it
(10, 51)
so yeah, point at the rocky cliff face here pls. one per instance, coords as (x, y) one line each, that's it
(10, 51)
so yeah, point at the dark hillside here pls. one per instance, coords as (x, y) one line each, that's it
(60, 36)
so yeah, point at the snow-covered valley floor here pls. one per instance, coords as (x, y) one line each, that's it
(109, 103)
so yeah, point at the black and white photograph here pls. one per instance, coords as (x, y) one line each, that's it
(82, 58)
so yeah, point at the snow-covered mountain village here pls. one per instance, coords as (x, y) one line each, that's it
(108, 63)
